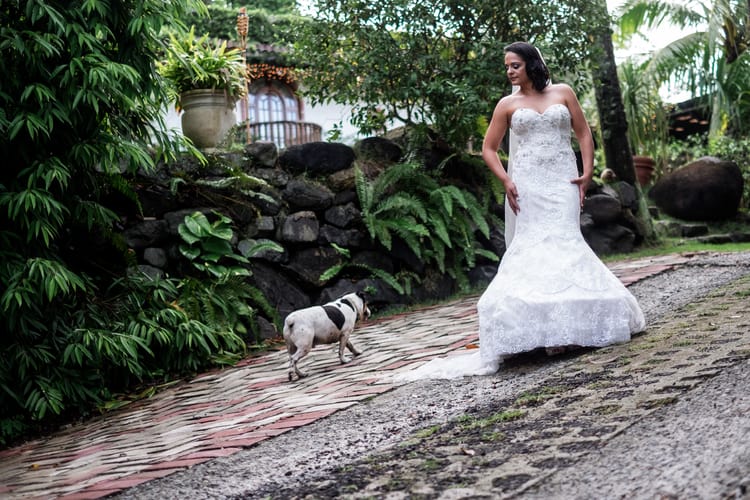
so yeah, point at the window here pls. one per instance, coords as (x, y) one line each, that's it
(272, 102)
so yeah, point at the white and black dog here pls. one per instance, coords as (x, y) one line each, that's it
(326, 324)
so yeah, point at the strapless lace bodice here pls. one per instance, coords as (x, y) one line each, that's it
(548, 128)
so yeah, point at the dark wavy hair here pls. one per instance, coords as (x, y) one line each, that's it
(536, 69)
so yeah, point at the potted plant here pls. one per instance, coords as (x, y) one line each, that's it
(207, 80)
(646, 116)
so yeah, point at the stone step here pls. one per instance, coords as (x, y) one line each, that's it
(719, 239)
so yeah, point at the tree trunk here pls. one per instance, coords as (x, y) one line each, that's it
(612, 121)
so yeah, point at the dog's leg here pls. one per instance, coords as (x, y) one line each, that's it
(290, 349)
(290, 371)
(299, 354)
(353, 349)
(344, 342)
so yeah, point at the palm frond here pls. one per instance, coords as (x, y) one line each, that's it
(634, 15)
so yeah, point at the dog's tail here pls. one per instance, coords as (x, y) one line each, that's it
(288, 325)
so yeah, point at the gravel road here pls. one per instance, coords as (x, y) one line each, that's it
(665, 416)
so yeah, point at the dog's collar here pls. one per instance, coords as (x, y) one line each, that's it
(346, 301)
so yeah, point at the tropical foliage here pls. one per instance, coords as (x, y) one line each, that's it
(711, 61)
(280, 6)
(647, 114)
(369, 271)
(438, 222)
(80, 109)
(206, 243)
(435, 62)
(266, 24)
(194, 63)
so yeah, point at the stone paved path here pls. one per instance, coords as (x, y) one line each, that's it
(575, 434)
(219, 413)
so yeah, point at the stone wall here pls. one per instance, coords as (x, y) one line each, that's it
(306, 201)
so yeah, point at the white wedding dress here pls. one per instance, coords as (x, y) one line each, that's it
(550, 288)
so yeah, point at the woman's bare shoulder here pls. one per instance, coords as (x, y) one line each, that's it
(562, 89)
(505, 103)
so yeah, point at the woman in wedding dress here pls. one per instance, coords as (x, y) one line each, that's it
(551, 290)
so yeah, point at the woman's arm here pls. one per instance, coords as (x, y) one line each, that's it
(585, 140)
(495, 133)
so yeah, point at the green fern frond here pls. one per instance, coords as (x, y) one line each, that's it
(263, 246)
(402, 204)
(341, 250)
(443, 199)
(487, 254)
(438, 254)
(391, 176)
(406, 225)
(462, 279)
(458, 195)
(331, 272)
(387, 277)
(411, 240)
(478, 217)
(440, 228)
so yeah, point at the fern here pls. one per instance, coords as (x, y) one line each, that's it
(335, 270)
(437, 222)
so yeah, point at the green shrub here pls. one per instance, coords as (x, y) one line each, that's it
(438, 222)
(81, 103)
(221, 295)
(400, 283)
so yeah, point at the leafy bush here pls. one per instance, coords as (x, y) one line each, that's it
(206, 243)
(81, 103)
(266, 24)
(401, 286)
(228, 300)
(435, 62)
(439, 223)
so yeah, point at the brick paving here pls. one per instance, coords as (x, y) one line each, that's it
(221, 412)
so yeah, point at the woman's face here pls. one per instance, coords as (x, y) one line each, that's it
(515, 68)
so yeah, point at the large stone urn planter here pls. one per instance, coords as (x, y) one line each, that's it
(207, 116)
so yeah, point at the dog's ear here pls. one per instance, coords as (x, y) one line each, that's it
(362, 296)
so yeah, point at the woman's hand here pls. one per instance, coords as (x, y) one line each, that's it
(511, 194)
(583, 184)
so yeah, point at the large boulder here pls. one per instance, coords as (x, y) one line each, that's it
(706, 189)
(434, 285)
(602, 208)
(300, 227)
(147, 233)
(609, 238)
(279, 290)
(624, 192)
(262, 153)
(347, 238)
(317, 158)
(273, 176)
(343, 215)
(305, 194)
(308, 264)
(378, 148)
(342, 180)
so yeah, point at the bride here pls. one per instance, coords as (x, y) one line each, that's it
(550, 289)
